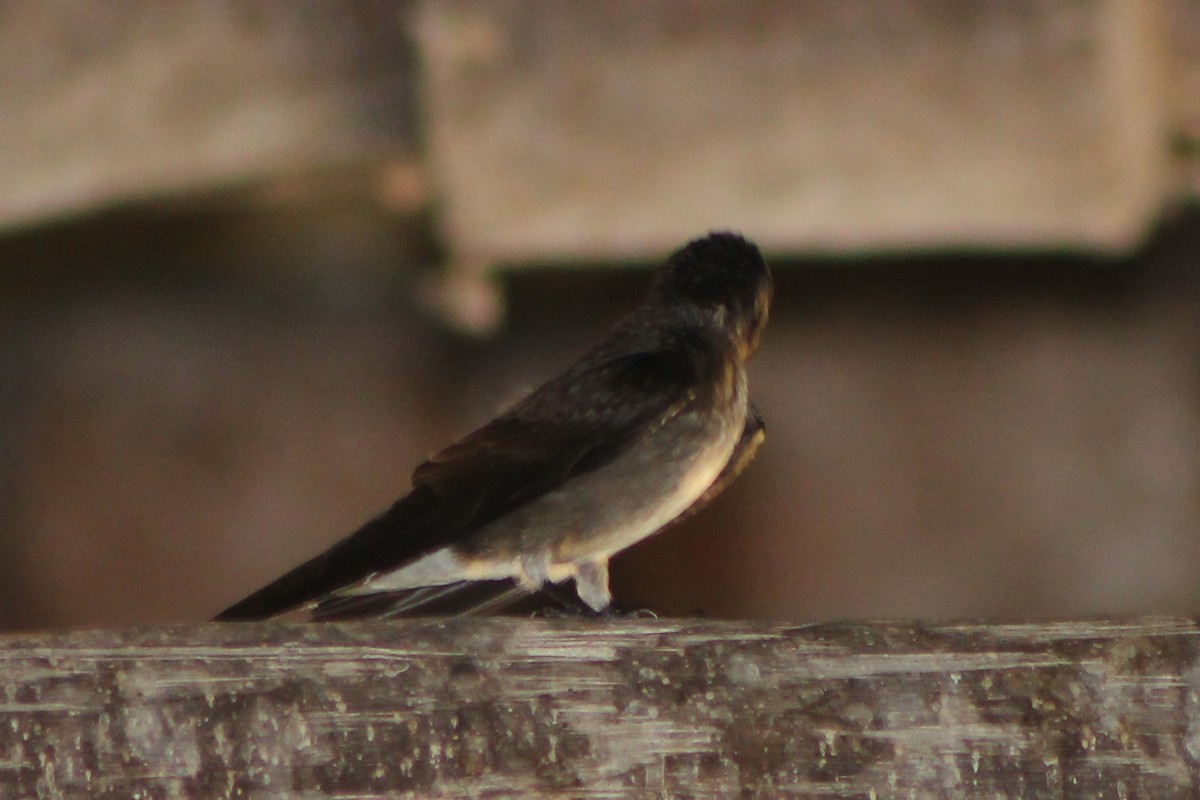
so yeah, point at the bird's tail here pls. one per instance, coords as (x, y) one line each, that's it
(401, 533)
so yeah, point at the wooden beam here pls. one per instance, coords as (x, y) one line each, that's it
(609, 708)
(110, 104)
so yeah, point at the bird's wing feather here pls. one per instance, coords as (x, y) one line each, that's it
(573, 424)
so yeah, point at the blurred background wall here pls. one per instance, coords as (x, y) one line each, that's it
(258, 259)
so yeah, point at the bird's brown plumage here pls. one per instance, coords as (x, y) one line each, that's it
(557, 471)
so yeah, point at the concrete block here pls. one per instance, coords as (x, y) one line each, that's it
(613, 130)
(104, 104)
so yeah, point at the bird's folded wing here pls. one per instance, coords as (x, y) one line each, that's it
(574, 424)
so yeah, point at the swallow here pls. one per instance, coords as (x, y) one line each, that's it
(644, 429)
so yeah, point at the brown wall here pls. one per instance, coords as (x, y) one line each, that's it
(946, 436)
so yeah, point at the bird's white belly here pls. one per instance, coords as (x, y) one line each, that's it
(689, 485)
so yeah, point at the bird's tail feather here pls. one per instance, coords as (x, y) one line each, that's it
(410, 527)
(460, 599)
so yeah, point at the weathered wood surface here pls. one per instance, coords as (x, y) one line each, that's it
(615, 708)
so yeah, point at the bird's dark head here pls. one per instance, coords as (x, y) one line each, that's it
(725, 275)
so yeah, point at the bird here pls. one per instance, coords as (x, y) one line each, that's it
(644, 429)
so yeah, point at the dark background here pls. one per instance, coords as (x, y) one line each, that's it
(221, 347)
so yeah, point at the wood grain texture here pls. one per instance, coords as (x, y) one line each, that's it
(599, 709)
